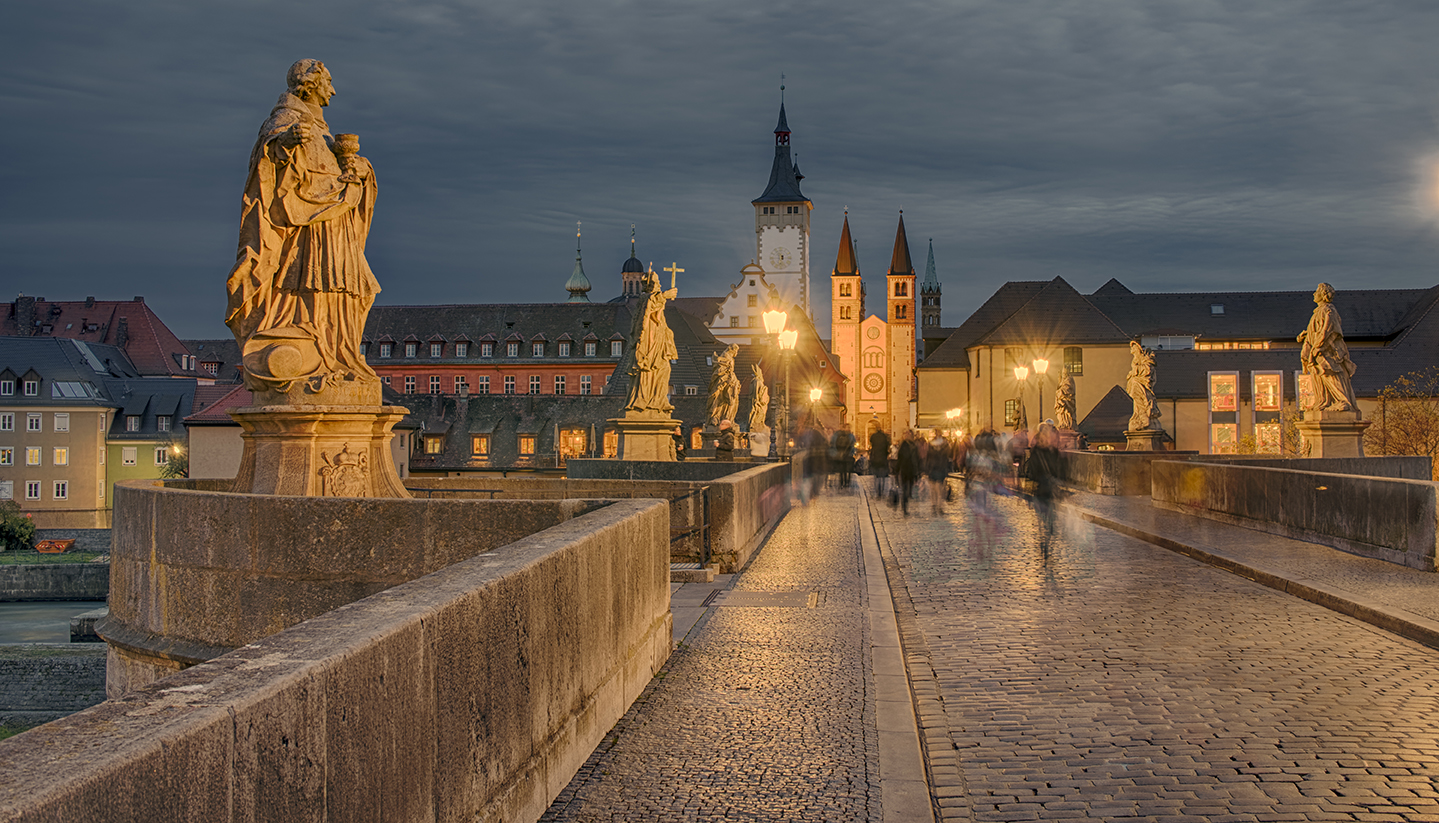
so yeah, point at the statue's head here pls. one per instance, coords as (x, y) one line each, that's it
(1324, 293)
(309, 79)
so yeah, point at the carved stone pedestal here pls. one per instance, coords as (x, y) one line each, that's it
(759, 443)
(646, 438)
(314, 451)
(1148, 440)
(1333, 434)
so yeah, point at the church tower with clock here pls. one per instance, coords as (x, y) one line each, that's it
(781, 225)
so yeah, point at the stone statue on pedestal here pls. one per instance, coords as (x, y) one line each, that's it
(1140, 385)
(1325, 357)
(654, 348)
(759, 409)
(298, 298)
(301, 288)
(1064, 404)
(1331, 426)
(724, 388)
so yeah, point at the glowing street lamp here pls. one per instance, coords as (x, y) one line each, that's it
(786, 339)
(814, 395)
(1040, 367)
(953, 416)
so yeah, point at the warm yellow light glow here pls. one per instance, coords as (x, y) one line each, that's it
(1041, 365)
(815, 394)
(953, 413)
(787, 338)
(774, 321)
(1021, 373)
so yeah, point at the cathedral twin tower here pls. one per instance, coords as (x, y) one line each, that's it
(877, 356)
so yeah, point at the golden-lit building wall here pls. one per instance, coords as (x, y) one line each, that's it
(56, 464)
(900, 347)
(846, 312)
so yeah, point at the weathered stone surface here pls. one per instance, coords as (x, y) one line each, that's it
(471, 693)
(691, 470)
(212, 571)
(1391, 519)
(54, 581)
(1124, 473)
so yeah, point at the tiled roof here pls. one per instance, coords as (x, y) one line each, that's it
(224, 351)
(1009, 299)
(491, 321)
(151, 398)
(216, 410)
(1057, 314)
(128, 324)
(71, 372)
(1371, 314)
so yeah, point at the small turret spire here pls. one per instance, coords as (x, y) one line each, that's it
(930, 277)
(578, 285)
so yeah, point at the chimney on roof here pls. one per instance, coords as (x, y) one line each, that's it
(90, 301)
(139, 299)
(122, 333)
(24, 316)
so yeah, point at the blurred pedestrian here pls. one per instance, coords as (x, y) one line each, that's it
(724, 444)
(879, 459)
(843, 446)
(907, 468)
(1042, 468)
(679, 438)
(936, 471)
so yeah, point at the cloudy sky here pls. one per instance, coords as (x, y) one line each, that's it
(1179, 146)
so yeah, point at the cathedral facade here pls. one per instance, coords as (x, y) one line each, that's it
(878, 355)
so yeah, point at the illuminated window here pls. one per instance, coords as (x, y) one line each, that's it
(1074, 360)
(1011, 412)
(411, 349)
(509, 384)
(1223, 412)
(527, 445)
(1303, 390)
(437, 349)
(612, 443)
(32, 455)
(61, 456)
(434, 444)
(534, 384)
(7, 456)
(62, 422)
(559, 384)
(584, 384)
(480, 445)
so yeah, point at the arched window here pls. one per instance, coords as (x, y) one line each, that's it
(845, 290)
(901, 289)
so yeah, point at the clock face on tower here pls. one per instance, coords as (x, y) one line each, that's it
(780, 257)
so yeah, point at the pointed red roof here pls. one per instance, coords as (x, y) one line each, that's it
(899, 262)
(844, 262)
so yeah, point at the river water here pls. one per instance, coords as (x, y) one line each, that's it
(45, 621)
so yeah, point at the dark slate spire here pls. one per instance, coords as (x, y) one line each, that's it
(899, 262)
(783, 176)
(844, 262)
(578, 285)
(633, 264)
(931, 278)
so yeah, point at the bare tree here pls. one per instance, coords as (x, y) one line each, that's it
(1408, 418)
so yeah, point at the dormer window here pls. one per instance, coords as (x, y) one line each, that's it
(7, 387)
(132, 422)
(386, 349)
(1216, 308)
(564, 348)
(32, 388)
(589, 350)
(437, 349)
(487, 349)
(512, 349)
(462, 349)
(537, 349)
(411, 349)
(617, 348)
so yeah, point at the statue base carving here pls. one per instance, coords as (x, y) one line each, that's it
(646, 438)
(318, 451)
(1146, 440)
(759, 443)
(1333, 433)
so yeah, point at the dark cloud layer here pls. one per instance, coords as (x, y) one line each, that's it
(1174, 145)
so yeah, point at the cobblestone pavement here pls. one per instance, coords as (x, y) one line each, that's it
(1116, 680)
(763, 713)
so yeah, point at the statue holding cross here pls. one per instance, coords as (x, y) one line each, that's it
(674, 269)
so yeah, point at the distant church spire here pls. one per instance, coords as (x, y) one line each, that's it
(578, 285)
(929, 290)
(632, 273)
(783, 176)
(899, 262)
(845, 262)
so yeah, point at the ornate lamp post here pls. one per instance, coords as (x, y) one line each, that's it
(1021, 375)
(787, 340)
(953, 416)
(774, 322)
(814, 395)
(1040, 367)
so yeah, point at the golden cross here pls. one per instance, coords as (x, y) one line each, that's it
(674, 270)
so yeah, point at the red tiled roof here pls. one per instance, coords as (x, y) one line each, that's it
(234, 397)
(150, 345)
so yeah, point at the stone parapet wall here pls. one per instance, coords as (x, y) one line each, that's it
(40, 683)
(1116, 472)
(1387, 518)
(744, 508)
(197, 573)
(682, 470)
(473, 693)
(54, 581)
(1400, 467)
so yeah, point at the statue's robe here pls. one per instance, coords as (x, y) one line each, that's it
(654, 349)
(301, 259)
(1325, 357)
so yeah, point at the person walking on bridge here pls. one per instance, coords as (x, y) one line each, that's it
(936, 471)
(879, 460)
(907, 466)
(843, 446)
